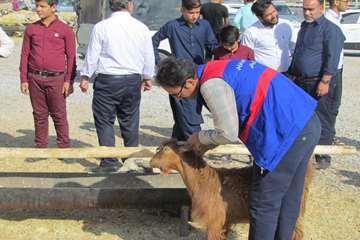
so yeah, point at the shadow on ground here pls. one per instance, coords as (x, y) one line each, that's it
(27, 141)
(348, 141)
(145, 138)
(353, 178)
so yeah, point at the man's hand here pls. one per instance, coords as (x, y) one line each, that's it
(24, 87)
(146, 85)
(67, 89)
(194, 143)
(84, 83)
(322, 89)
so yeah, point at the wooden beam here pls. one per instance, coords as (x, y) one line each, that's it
(120, 152)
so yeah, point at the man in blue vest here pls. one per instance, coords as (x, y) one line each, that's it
(274, 118)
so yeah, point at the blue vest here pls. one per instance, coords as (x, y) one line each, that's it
(272, 110)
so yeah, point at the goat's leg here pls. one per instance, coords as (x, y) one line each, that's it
(299, 227)
(215, 233)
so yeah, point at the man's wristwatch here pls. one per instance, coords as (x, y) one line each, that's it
(324, 81)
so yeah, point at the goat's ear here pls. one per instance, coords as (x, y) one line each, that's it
(184, 147)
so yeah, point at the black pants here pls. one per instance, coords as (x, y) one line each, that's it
(328, 105)
(187, 116)
(117, 96)
(275, 197)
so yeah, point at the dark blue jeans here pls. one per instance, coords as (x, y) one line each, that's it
(275, 197)
(117, 96)
(328, 105)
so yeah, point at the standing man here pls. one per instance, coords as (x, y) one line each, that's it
(244, 17)
(216, 14)
(6, 44)
(120, 52)
(271, 38)
(315, 69)
(273, 117)
(189, 37)
(47, 72)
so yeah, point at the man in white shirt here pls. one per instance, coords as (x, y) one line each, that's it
(271, 38)
(120, 52)
(6, 44)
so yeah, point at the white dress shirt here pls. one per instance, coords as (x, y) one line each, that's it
(273, 46)
(6, 44)
(333, 17)
(120, 45)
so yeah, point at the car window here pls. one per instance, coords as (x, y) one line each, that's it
(350, 18)
(283, 10)
(155, 13)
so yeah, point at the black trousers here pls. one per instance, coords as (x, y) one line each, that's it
(187, 116)
(117, 96)
(275, 197)
(328, 105)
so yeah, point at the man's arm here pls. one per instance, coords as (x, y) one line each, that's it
(211, 42)
(91, 59)
(6, 44)
(70, 52)
(225, 15)
(149, 62)
(220, 99)
(25, 51)
(293, 38)
(333, 44)
(162, 34)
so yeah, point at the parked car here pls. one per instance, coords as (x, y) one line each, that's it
(153, 13)
(350, 25)
(232, 6)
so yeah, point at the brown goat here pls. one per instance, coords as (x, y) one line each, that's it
(219, 196)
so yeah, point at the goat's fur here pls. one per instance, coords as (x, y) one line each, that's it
(219, 196)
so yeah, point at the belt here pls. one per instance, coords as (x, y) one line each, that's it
(307, 79)
(102, 75)
(45, 73)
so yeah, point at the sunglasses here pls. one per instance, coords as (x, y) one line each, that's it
(178, 95)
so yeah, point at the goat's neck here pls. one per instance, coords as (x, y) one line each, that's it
(195, 177)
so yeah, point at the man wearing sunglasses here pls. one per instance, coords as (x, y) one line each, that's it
(274, 118)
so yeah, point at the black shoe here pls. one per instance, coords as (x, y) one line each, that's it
(322, 161)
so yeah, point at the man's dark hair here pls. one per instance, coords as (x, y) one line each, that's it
(118, 5)
(260, 6)
(50, 2)
(331, 2)
(191, 4)
(229, 34)
(173, 72)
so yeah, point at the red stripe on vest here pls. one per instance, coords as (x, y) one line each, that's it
(213, 69)
(260, 95)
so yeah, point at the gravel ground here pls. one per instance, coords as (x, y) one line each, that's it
(333, 211)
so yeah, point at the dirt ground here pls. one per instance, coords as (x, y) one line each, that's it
(333, 211)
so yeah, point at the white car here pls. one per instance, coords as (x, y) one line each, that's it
(350, 25)
(232, 6)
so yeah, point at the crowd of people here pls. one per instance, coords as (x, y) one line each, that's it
(276, 91)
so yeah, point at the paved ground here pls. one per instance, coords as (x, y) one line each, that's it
(333, 211)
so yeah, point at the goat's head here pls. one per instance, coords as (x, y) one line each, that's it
(168, 156)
